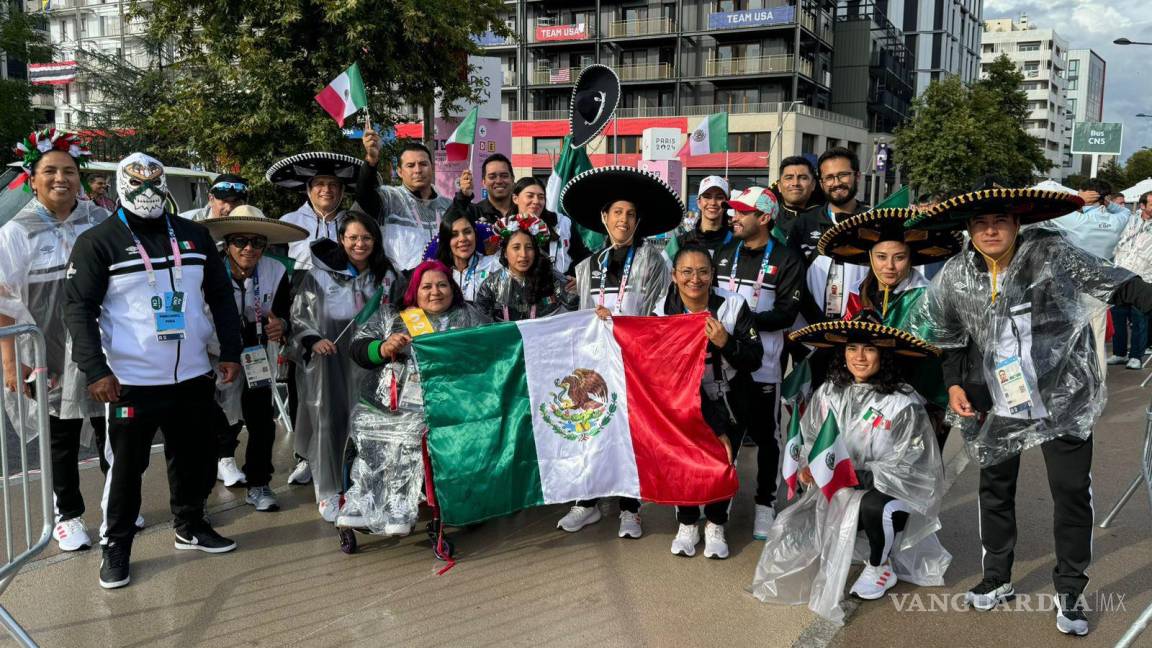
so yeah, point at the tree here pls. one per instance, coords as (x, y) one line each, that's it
(20, 40)
(236, 86)
(1138, 167)
(1114, 174)
(959, 135)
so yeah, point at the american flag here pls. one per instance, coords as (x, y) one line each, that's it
(562, 75)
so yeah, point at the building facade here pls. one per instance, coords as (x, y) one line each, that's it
(1042, 56)
(872, 67)
(944, 36)
(1086, 72)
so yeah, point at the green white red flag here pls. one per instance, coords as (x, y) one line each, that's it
(345, 95)
(792, 449)
(829, 462)
(460, 142)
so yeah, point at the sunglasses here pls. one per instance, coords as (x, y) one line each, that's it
(233, 186)
(241, 242)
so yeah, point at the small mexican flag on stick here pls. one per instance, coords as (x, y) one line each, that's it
(345, 95)
(831, 467)
(792, 449)
(459, 143)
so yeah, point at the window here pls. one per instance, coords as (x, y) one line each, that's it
(1029, 46)
(807, 143)
(749, 142)
(627, 143)
(546, 144)
(854, 147)
(1073, 84)
(988, 48)
(1072, 106)
(1074, 65)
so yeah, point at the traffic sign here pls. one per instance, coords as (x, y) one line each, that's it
(1098, 138)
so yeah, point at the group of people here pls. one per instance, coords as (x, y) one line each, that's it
(155, 321)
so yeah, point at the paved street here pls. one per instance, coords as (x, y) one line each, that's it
(521, 582)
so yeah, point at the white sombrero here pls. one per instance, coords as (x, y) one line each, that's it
(246, 219)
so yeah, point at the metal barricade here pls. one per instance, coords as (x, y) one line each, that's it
(17, 483)
(1144, 476)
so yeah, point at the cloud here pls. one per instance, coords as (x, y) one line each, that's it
(1094, 25)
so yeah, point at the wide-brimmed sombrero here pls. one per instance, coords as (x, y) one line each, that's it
(657, 204)
(295, 171)
(840, 332)
(1031, 205)
(246, 219)
(594, 100)
(850, 240)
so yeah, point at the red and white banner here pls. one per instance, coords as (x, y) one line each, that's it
(545, 33)
(58, 73)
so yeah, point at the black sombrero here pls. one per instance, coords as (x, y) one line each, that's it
(294, 172)
(594, 100)
(657, 204)
(840, 332)
(1031, 205)
(850, 240)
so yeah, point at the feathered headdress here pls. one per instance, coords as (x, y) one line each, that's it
(40, 142)
(531, 225)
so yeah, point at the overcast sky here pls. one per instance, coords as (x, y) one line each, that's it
(1094, 24)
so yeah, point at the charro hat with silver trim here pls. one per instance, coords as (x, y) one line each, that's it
(588, 194)
(835, 333)
(295, 171)
(850, 240)
(594, 100)
(247, 219)
(1030, 205)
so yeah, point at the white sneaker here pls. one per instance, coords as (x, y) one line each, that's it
(301, 474)
(873, 582)
(765, 516)
(398, 530)
(1135, 363)
(72, 535)
(684, 544)
(630, 525)
(1116, 360)
(330, 508)
(263, 499)
(140, 522)
(579, 517)
(715, 544)
(989, 593)
(1071, 621)
(228, 472)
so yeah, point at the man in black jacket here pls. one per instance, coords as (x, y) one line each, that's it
(136, 290)
(498, 178)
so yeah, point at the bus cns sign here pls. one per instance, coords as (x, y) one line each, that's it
(1097, 138)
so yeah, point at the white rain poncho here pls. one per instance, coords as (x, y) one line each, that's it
(34, 251)
(811, 546)
(502, 297)
(647, 282)
(387, 476)
(1039, 317)
(325, 303)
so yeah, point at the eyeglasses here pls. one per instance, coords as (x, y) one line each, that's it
(359, 239)
(843, 176)
(241, 242)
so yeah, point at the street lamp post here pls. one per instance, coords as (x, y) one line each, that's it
(1125, 41)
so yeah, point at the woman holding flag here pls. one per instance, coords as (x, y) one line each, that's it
(347, 278)
(864, 450)
(627, 277)
(734, 348)
(526, 287)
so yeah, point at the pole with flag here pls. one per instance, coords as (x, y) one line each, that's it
(460, 144)
(572, 162)
(369, 309)
(710, 136)
(829, 461)
(344, 95)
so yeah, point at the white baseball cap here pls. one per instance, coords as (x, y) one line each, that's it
(713, 181)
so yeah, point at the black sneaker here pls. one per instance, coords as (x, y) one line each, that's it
(202, 537)
(989, 593)
(1071, 619)
(114, 565)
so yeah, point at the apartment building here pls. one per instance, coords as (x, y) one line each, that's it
(944, 36)
(1042, 55)
(1085, 103)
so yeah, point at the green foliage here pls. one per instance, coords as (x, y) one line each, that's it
(19, 120)
(19, 39)
(959, 134)
(23, 36)
(1138, 167)
(236, 90)
(1115, 175)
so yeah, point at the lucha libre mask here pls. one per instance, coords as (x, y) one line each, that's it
(142, 185)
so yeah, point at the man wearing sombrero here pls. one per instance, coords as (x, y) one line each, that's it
(324, 179)
(263, 295)
(627, 277)
(770, 277)
(1011, 302)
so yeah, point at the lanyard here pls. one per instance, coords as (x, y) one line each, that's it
(177, 269)
(256, 305)
(764, 266)
(623, 277)
(470, 272)
(508, 296)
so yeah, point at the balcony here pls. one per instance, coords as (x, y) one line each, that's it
(648, 27)
(821, 28)
(43, 100)
(553, 76)
(511, 79)
(645, 72)
(774, 64)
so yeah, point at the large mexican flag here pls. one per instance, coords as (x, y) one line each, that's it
(569, 407)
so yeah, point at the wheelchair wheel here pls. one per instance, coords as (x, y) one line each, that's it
(348, 541)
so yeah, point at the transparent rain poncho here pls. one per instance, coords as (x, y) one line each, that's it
(1039, 317)
(502, 297)
(813, 542)
(387, 475)
(647, 284)
(325, 303)
(34, 251)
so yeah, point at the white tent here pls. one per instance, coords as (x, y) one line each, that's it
(1133, 193)
(1052, 185)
